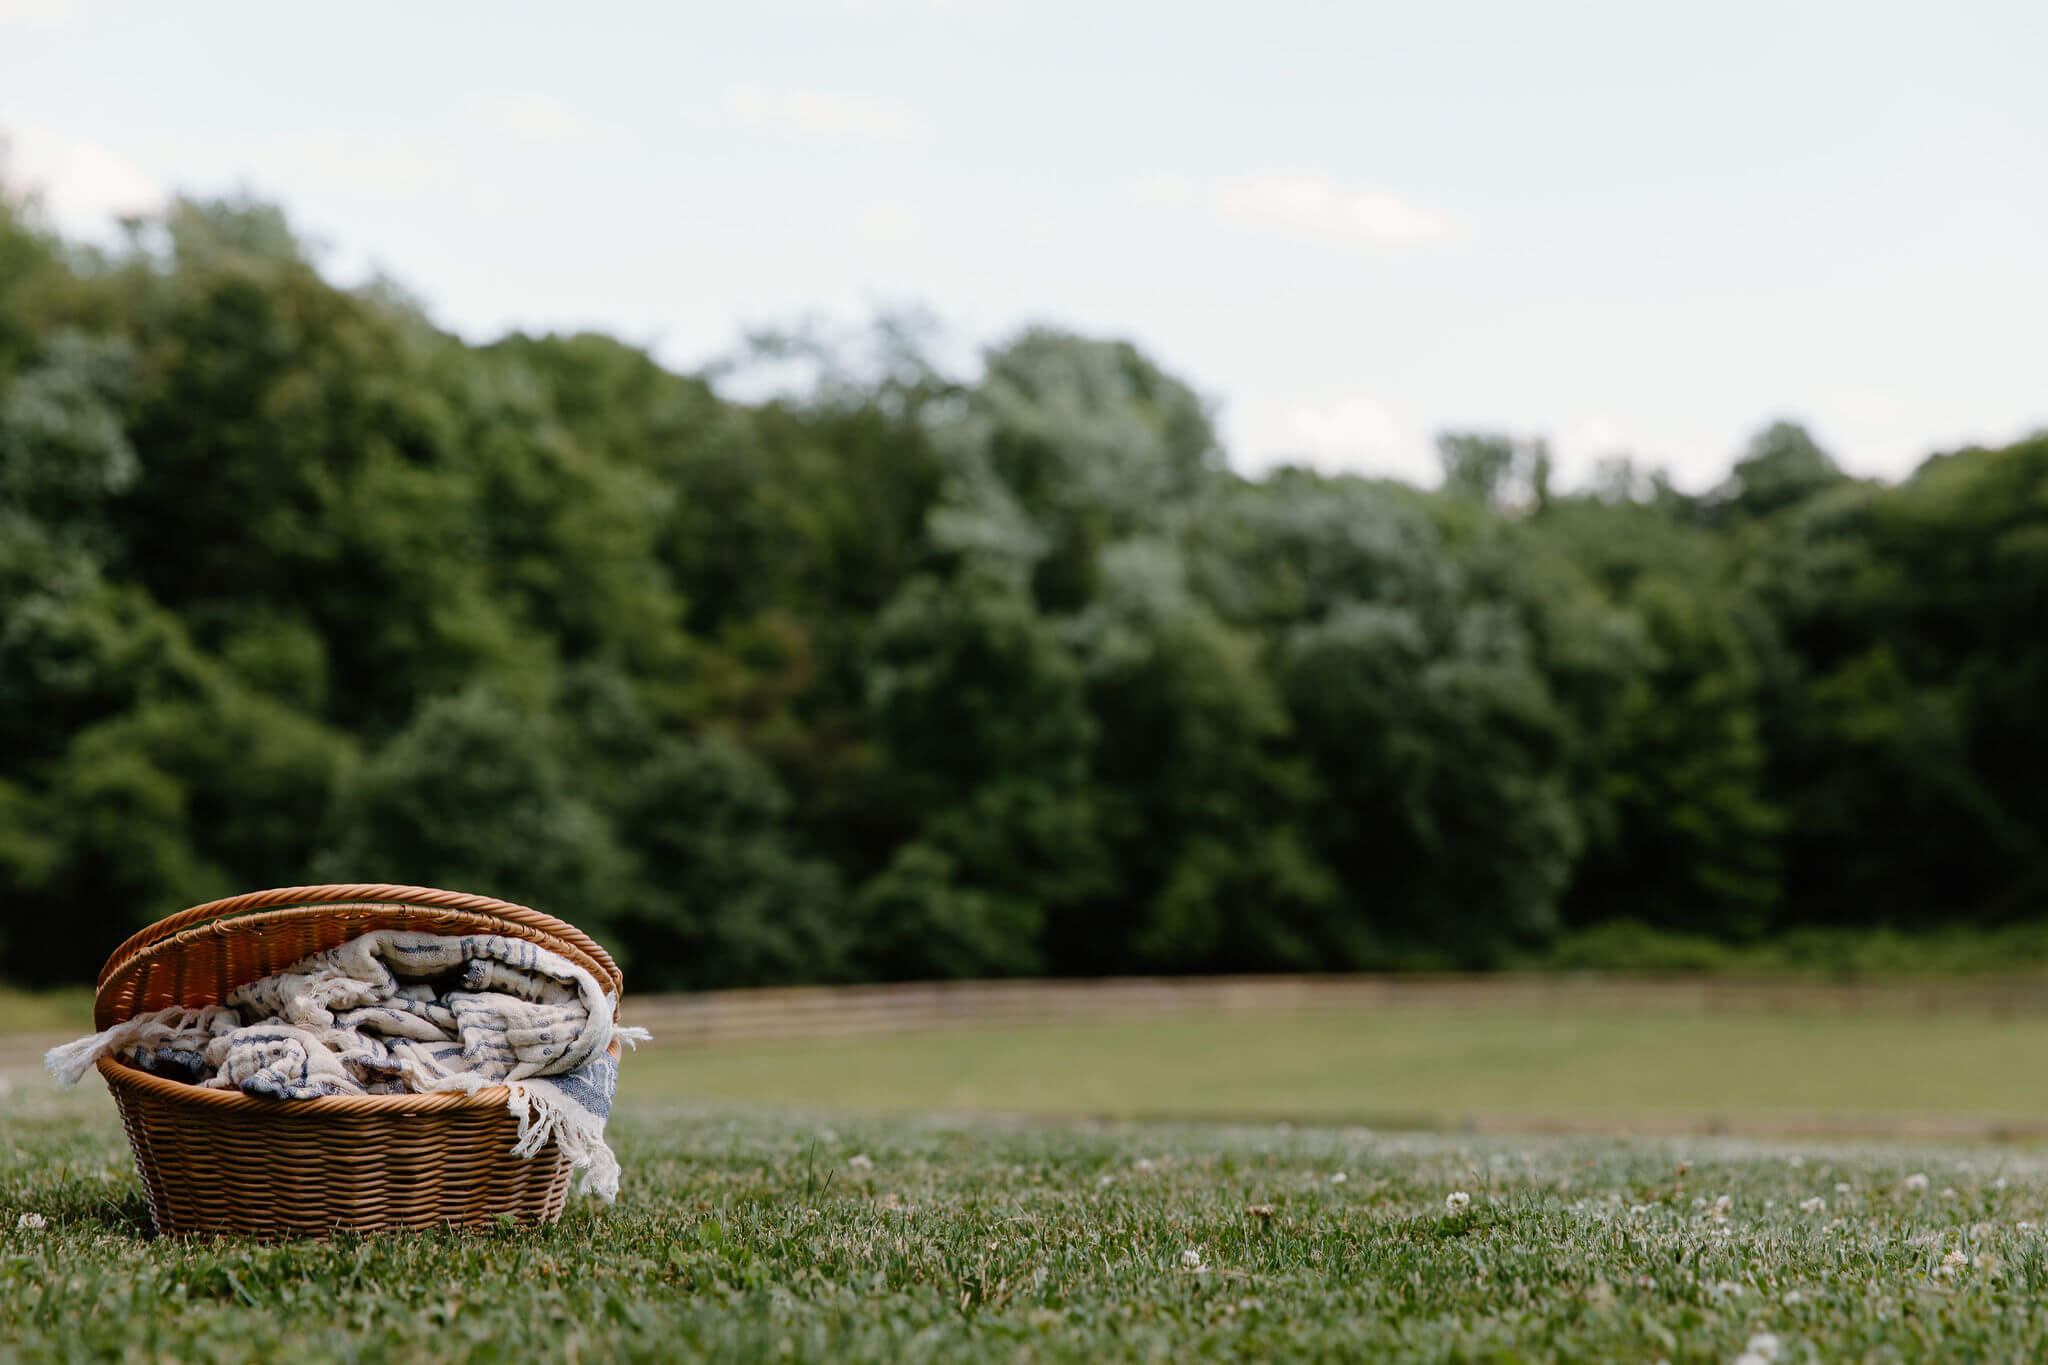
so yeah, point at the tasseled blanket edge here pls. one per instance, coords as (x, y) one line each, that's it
(68, 1062)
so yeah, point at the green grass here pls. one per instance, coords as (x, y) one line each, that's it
(1424, 1067)
(748, 1230)
(57, 1011)
(747, 1235)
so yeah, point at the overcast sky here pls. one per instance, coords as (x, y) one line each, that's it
(1629, 227)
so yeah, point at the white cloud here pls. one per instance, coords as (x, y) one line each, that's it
(37, 13)
(1301, 204)
(818, 113)
(1350, 434)
(418, 171)
(84, 184)
(1581, 444)
(953, 6)
(888, 222)
(1163, 190)
(1311, 204)
(1886, 434)
(535, 118)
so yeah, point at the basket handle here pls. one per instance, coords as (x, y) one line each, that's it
(374, 892)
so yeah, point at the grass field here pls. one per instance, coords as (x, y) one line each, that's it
(57, 1011)
(1413, 1067)
(798, 1201)
(799, 1235)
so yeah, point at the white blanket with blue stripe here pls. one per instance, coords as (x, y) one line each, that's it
(394, 1012)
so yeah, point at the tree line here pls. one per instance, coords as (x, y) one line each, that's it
(918, 675)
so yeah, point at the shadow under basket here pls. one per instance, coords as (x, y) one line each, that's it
(219, 1161)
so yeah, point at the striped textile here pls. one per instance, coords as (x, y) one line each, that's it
(396, 1012)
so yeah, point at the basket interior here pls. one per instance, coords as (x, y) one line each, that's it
(196, 958)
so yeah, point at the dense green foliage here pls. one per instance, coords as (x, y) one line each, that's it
(916, 675)
(744, 1238)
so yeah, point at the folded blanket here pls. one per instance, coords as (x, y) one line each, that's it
(395, 1012)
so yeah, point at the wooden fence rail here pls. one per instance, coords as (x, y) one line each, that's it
(714, 1017)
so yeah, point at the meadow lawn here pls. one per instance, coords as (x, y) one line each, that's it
(819, 1201)
(1415, 1068)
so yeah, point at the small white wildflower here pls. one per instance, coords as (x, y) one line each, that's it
(32, 1221)
(1105, 1182)
(1144, 1163)
(1793, 1298)
(1917, 1181)
(1841, 1188)
(1191, 1259)
(1339, 1178)
(1813, 1205)
(1729, 1288)
(1456, 1201)
(1764, 1346)
(1999, 1183)
(1638, 1209)
(1795, 1161)
(2025, 1225)
(1944, 1272)
(1953, 1258)
(861, 1161)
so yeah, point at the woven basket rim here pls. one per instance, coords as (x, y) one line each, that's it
(176, 934)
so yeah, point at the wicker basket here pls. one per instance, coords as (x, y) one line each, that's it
(219, 1161)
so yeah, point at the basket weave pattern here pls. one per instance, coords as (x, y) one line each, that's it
(219, 1161)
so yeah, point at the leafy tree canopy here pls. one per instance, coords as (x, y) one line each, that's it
(900, 673)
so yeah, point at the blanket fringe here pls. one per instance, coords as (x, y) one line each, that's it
(69, 1062)
(543, 1114)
